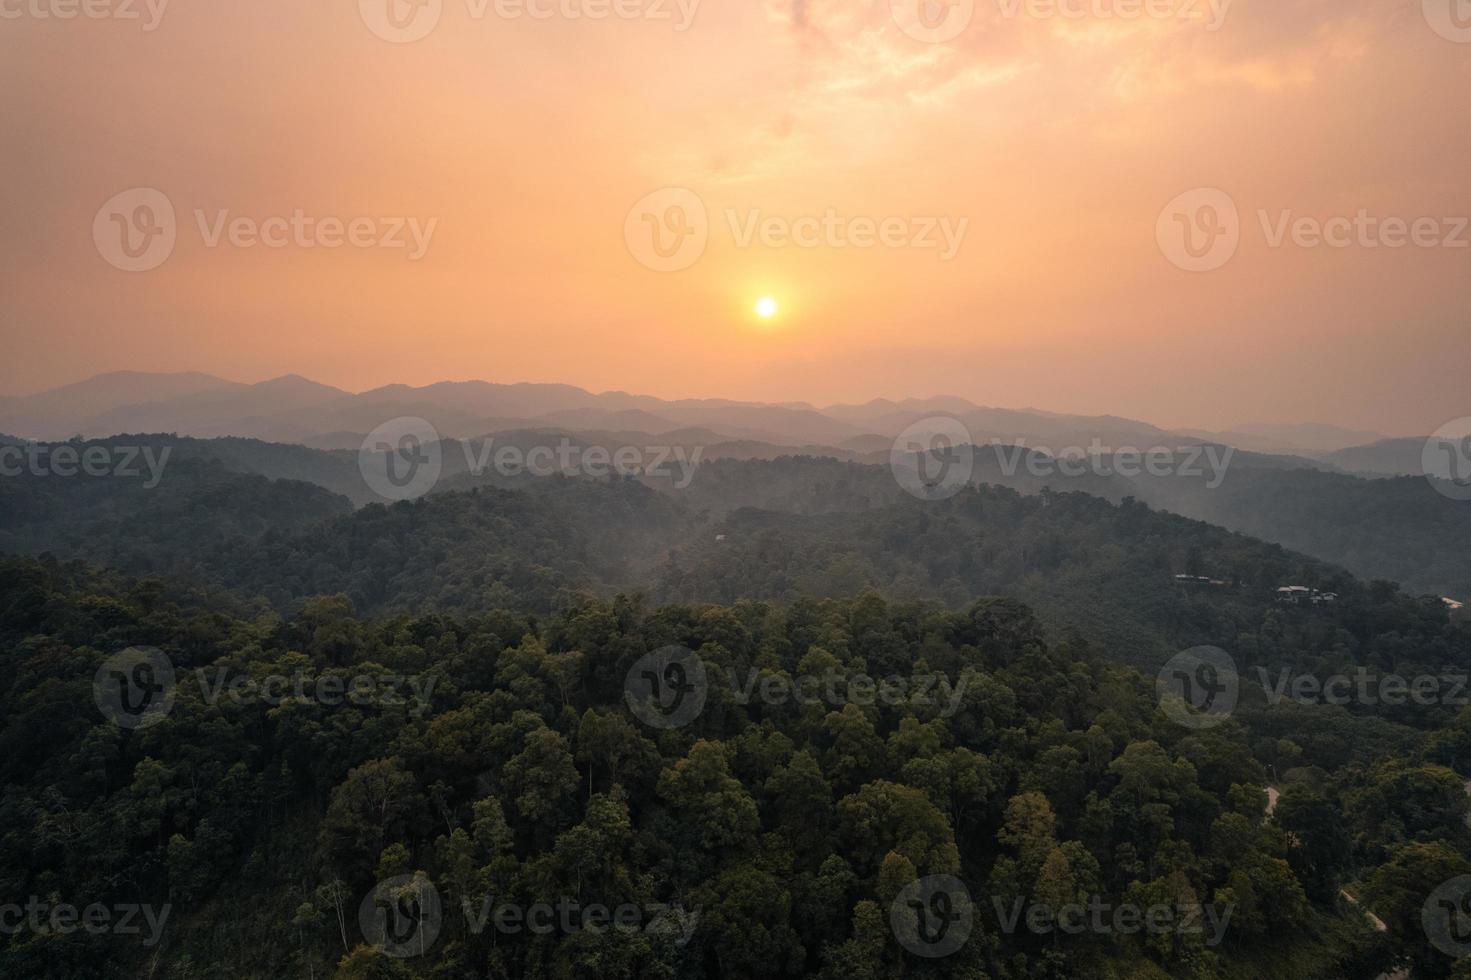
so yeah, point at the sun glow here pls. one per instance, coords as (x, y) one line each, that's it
(766, 307)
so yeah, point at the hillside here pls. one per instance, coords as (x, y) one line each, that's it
(756, 839)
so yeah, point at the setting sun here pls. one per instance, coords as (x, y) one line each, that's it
(766, 307)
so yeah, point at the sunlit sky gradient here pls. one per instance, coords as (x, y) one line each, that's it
(1059, 140)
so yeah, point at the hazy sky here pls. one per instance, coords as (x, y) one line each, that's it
(1047, 144)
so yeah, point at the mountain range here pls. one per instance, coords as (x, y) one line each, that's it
(293, 409)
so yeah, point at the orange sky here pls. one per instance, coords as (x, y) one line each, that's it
(1055, 142)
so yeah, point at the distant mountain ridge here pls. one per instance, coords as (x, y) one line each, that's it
(293, 409)
(1313, 438)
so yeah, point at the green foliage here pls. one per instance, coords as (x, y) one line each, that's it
(524, 778)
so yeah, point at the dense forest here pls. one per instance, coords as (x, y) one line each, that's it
(771, 838)
(902, 737)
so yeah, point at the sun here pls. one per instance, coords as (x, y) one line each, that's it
(766, 307)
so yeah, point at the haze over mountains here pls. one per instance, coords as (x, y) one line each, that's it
(1363, 505)
(295, 409)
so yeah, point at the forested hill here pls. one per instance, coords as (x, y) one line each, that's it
(509, 763)
(754, 839)
(1396, 529)
(1105, 570)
